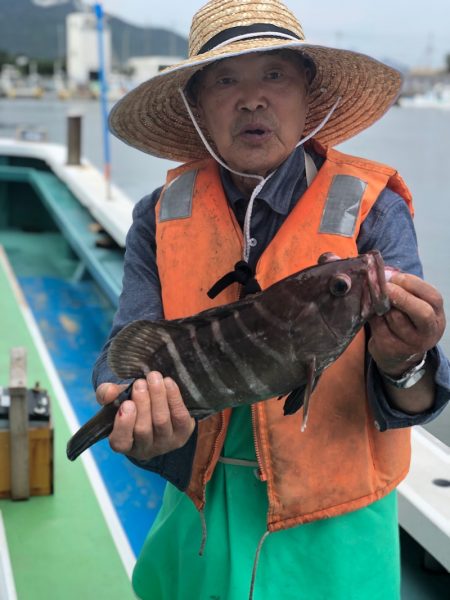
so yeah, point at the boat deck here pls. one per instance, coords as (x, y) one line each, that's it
(104, 264)
(48, 237)
(59, 546)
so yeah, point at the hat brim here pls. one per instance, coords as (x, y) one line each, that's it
(153, 118)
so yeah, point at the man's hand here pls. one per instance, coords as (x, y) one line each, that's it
(153, 422)
(401, 337)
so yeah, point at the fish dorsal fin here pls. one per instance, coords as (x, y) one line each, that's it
(217, 312)
(131, 350)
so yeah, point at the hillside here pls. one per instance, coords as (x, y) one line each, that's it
(40, 33)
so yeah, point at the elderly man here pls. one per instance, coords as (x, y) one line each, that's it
(238, 112)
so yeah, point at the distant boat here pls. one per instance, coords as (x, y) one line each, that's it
(437, 97)
(13, 85)
(25, 91)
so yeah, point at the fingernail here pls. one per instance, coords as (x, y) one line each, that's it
(140, 385)
(154, 377)
(102, 389)
(126, 408)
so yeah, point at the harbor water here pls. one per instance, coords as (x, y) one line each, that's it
(416, 141)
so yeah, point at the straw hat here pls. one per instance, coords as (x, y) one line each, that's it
(153, 117)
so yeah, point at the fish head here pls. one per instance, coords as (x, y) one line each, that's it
(340, 295)
(367, 270)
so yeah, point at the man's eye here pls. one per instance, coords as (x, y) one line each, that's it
(225, 81)
(274, 75)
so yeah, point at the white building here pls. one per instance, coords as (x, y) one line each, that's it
(83, 62)
(144, 67)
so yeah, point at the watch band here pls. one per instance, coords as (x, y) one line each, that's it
(409, 378)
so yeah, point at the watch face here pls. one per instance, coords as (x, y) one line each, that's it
(414, 378)
(409, 378)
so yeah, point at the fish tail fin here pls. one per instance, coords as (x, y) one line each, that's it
(96, 429)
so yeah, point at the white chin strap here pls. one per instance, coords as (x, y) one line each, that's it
(262, 180)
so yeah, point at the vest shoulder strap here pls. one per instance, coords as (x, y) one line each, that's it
(176, 197)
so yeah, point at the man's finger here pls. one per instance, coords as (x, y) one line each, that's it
(182, 422)
(122, 438)
(143, 425)
(386, 345)
(107, 392)
(421, 313)
(402, 327)
(419, 288)
(161, 421)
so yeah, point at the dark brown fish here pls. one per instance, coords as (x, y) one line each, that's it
(273, 343)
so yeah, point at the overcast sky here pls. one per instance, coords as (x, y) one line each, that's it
(406, 31)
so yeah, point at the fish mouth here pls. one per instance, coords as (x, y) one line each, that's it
(378, 301)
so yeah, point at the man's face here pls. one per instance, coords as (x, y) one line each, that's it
(254, 107)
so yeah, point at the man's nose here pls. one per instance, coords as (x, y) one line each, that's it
(251, 97)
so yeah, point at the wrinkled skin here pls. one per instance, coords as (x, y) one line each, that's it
(254, 108)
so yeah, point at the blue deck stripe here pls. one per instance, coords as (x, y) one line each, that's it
(75, 320)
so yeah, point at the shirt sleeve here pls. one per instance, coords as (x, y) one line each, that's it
(389, 228)
(141, 290)
(141, 299)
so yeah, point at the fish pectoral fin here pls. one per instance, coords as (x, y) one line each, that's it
(300, 396)
(311, 382)
(294, 401)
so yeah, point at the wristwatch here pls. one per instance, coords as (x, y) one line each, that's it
(409, 378)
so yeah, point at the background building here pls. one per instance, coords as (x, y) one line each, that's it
(142, 68)
(82, 49)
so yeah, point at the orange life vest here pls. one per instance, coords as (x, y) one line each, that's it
(341, 462)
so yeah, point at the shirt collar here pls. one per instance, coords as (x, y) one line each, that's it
(278, 191)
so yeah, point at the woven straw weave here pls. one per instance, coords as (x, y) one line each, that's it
(153, 118)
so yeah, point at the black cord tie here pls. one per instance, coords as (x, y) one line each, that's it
(243, 274)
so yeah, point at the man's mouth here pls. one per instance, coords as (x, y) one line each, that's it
(254, 132)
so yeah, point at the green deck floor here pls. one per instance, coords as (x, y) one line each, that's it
(60, 545)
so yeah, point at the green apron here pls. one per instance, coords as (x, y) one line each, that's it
(351, 557)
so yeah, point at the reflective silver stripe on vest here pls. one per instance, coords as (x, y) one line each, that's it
(342, 206)
(176, 201)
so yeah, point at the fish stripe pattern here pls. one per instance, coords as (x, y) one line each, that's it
(253, 381)
(183, 374)
(209, 369)
(261, 344)
(266, 345)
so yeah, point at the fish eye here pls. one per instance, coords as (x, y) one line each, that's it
(340, 285)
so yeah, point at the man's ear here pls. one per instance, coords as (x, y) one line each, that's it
(198, 110)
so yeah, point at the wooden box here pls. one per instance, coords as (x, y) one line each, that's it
(40, 440)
